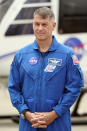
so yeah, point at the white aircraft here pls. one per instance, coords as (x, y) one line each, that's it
(16, 30)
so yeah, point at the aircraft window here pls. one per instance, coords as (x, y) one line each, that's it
(34, 1)
(19, 29)
(72, 16)
(26, 13)
(4, 6)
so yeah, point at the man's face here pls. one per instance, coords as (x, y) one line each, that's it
(43, 27)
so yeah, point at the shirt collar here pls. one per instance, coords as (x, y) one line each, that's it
(53, 46)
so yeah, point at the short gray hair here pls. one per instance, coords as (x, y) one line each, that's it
(45, 12)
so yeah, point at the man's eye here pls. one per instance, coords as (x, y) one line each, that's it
(44, 24)
(37, 24)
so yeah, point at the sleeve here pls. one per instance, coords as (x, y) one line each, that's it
(14, 87)
(74, 82)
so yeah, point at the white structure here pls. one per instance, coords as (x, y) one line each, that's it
(16, 27)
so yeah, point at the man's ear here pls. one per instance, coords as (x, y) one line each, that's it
(54, 25)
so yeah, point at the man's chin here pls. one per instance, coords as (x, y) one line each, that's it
(41, 38)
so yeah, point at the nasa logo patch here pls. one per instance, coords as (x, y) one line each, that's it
(33, 60)
(77, 45)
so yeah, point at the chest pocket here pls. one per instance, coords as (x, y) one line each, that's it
(31, 66)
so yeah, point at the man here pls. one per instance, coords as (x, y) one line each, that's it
(45, 79)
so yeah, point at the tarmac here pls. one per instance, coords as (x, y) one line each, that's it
(9, 125)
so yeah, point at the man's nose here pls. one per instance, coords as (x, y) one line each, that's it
(40, 27)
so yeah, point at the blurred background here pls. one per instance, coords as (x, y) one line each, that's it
(16, 32)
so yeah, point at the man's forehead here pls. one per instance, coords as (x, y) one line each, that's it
(41, 17)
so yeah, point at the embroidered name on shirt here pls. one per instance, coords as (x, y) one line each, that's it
(55, 61)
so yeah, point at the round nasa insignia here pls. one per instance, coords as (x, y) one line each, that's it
(33, 60)
(76, 45)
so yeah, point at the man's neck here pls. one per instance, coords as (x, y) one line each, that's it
(44, 45)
